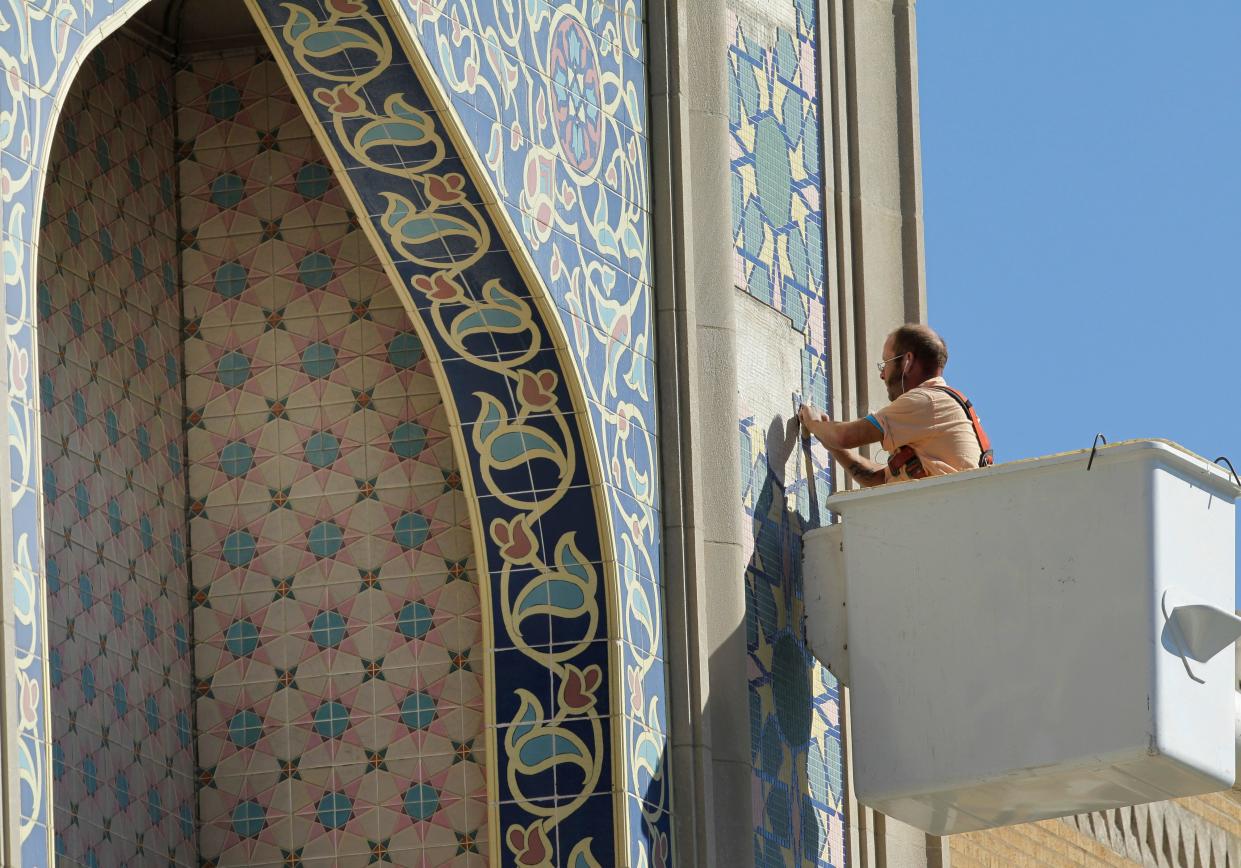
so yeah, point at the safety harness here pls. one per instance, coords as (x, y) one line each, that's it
(907, 459)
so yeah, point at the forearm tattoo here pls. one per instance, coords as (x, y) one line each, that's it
(864, 474)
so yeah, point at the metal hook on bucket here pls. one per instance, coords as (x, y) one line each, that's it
(1095, 448)
(1231, 469)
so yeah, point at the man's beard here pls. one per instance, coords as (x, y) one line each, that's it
(895, 388)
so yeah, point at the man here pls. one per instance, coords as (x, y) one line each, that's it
(929, 429)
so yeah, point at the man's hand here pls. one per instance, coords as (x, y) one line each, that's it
(813, 421)
(837, 435)
(808, 414)
(841, 438)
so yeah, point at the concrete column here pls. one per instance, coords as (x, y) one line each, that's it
(703, 559)
(720, 579)
(885, 200)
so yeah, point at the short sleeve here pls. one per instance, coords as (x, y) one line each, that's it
(905, 419)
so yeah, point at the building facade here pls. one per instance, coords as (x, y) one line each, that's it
(402, 465)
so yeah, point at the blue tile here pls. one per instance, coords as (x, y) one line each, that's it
(559, 535)
(654, 686)
(27, 529)
(573, 831)
(498, 265)
(474, 123)
(650, 830)
(32, 805)
(565, 523)
(641, 609)
(535, 382)
(515, 671)
(374, 187)
(604, 23)
(529, 457)
(615, 237)
(321, 114)
(515, 819)
(466, 378)
(529, 628)
(28, 638)
(615, 303)
(36, 848)
(350, 63)
(274, 12)
(546, 611)
(22, 470)
(629, 448)
(11, 44)
(641, 521)
(25, 177)
(629, 430)
(19, 266)
(397, 78)
(407, 273)
(642, 558)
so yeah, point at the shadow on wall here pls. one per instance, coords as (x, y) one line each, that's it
(794, 702)
(655, 802)
(114, 485)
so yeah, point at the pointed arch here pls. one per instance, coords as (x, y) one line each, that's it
(543, 521)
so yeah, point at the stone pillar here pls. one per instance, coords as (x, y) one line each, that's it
(703, 561)
(881, 182)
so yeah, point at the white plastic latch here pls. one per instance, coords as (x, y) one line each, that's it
(1200, 629)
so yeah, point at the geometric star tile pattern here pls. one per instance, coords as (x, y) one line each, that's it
(777, 209)
(335, 602)
(778, 233)
(113, 471)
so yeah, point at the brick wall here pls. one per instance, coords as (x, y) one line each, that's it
(1199, 832)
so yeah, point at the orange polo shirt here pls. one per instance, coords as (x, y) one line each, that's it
(934, 425)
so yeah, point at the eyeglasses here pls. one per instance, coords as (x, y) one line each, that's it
(882, 365)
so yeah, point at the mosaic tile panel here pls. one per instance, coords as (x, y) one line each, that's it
(336, 609)
(550, 580)
(778, 225)
(113, 472)
(778, 232)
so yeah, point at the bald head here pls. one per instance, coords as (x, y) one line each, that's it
(928, 348)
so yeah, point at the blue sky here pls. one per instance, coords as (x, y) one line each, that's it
(1082, 197)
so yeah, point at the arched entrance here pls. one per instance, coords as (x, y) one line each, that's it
(265, 639)
(549, 601)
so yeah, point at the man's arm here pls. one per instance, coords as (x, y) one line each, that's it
(838, 435)
(864, 471)
(842, 440)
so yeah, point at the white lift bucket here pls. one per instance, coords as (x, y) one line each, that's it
(1034, 639)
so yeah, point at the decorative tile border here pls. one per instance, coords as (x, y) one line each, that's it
(550, 100)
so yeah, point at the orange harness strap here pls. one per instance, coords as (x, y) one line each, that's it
(907, 459)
